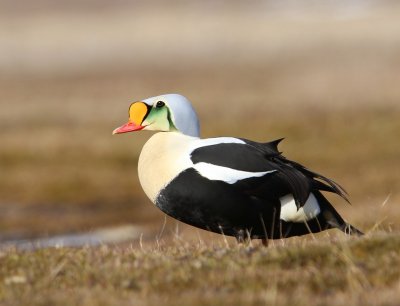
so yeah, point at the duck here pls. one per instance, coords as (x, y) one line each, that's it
(227, 185)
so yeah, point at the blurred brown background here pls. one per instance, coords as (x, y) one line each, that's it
(325, 75)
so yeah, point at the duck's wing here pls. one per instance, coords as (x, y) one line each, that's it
(260, 170)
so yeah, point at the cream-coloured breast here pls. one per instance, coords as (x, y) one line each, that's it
(163, 157)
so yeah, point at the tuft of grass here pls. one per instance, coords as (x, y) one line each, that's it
(357, 272)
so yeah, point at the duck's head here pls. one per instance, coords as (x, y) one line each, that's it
(167, 113)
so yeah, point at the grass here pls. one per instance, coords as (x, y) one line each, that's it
(322, 272)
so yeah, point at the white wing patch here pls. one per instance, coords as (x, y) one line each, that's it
(290, 213)
(199, 143)
(228, 175)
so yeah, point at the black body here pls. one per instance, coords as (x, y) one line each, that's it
(249, 207)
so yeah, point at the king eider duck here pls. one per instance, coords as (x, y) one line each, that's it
(232, 186)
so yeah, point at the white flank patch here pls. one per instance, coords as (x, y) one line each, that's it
(289, 212)
(228, 175)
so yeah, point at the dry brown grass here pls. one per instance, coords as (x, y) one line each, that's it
(334, 272)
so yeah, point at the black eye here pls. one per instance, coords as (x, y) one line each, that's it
(160, 104)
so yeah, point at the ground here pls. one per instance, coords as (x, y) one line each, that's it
(318, 272)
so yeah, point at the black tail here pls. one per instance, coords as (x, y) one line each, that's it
(331, 217)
